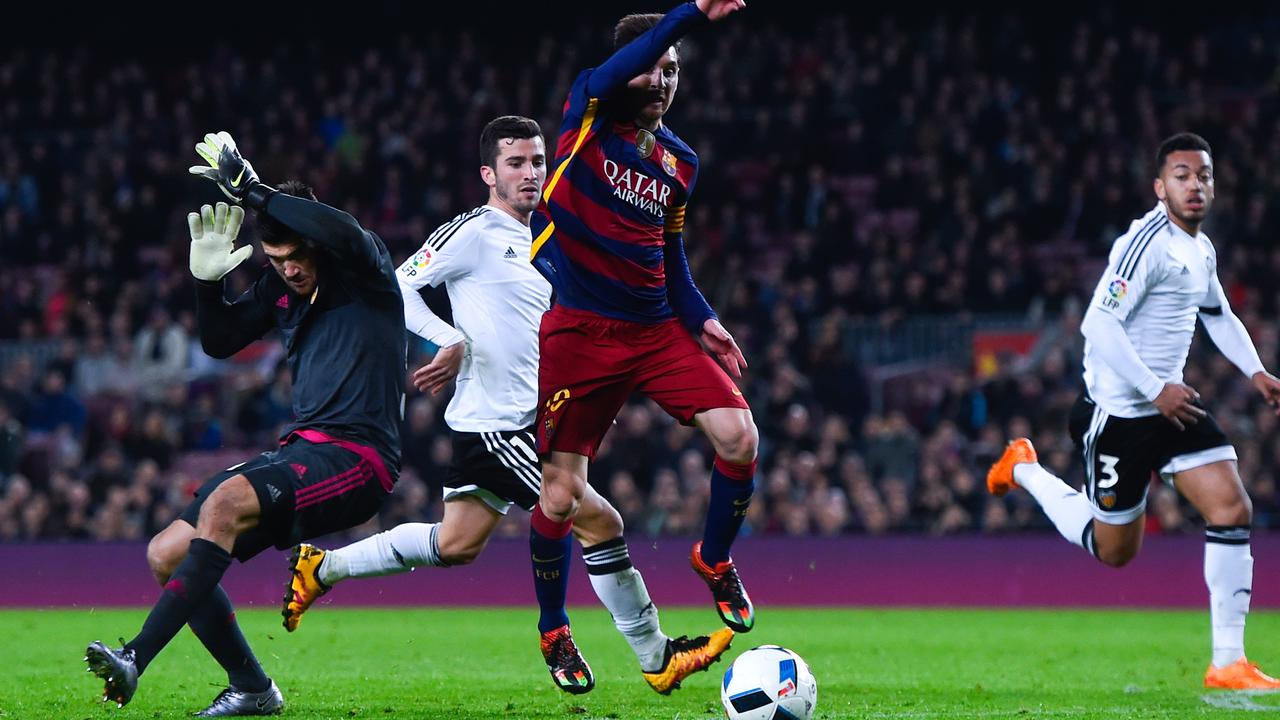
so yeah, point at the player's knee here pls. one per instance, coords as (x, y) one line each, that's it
(610, 524)
(562, 492)
(1117, 556)
(1239, 511)
(600, 525)
(163, 558)
(739, 442)
(560, 503)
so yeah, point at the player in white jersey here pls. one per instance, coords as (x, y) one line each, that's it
(498, 298)
(1137, 417)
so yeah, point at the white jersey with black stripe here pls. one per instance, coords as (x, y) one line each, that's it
(1157, 278)
(498, 298)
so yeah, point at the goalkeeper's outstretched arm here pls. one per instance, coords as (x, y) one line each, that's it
(333, 230)
(225, 328)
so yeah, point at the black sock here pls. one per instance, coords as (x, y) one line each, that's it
(189, 587)
(1087, 541)
(214, 622)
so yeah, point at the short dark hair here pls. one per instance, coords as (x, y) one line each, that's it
(1176, 143)
(274, 232)
(502, 128)
(633, 26)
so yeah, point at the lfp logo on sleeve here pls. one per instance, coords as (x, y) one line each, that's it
(1117, 290)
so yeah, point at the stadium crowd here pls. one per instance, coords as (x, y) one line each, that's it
(850, 174)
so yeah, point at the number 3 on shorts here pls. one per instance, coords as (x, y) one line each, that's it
(1109, 475)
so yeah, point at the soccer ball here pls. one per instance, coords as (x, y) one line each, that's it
(769, 683)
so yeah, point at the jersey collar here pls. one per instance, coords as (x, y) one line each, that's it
(1174, 227)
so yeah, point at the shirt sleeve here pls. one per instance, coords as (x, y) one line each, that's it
(640, 54)
(226, 328)
(687, 301)
(1133, 268)
(443, 257)
(1227, 332)
(333, 230)
(1106, 334)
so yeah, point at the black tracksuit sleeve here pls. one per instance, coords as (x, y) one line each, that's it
(227, 328)
(332, 229)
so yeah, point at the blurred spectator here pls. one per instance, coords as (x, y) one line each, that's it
(160, 352)
(11, 443)
(875, 195)
(54, 406)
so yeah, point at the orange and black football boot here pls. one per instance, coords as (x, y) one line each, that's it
(304, 586)
(568, 668)
(685, 656)
(732, 601)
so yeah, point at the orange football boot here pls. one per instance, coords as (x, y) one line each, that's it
(732, 601)
(685, 657)
(1000, 476)
(1239, 675)
(304, 586)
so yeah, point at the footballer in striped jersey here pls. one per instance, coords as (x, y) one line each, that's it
(628, 318)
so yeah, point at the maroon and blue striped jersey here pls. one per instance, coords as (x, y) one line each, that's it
(608, 234)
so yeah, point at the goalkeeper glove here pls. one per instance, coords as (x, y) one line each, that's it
(233, 174)
(213, 240)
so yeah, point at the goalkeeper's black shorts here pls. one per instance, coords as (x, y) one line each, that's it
(305, 489)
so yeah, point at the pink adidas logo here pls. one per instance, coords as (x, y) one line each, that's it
(299, 468)
(283, 302)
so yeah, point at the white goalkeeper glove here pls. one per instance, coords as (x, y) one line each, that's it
(213, 240)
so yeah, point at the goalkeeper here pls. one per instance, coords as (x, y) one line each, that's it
(333, 295)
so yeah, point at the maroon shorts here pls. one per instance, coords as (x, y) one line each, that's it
(591, 364)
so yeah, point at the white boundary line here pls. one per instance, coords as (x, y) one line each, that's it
(1233, 700)
(1241, 700)
(1018, 712)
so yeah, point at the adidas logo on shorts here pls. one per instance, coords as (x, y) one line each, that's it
(510, 254)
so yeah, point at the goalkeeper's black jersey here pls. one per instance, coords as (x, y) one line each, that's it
(346, 344)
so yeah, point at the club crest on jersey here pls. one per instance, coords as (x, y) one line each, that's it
(669, 163)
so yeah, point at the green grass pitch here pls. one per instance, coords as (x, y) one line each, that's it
(484, 663)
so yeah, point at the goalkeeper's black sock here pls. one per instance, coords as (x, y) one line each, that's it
(188, 588)
(214, 622)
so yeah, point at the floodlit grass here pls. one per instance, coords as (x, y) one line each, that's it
(484, 663)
